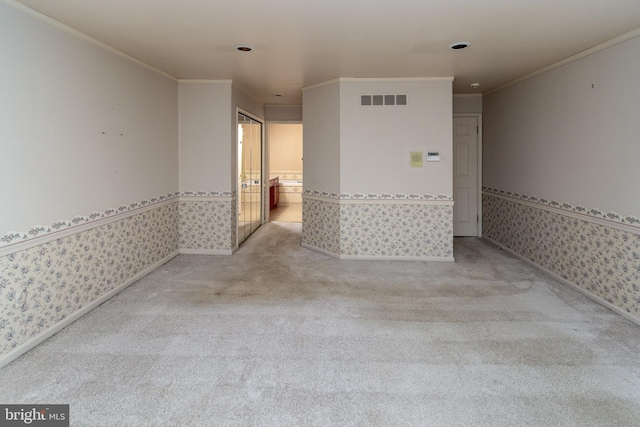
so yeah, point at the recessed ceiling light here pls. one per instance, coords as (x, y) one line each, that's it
(243, 47)
(475, 85)
(459, 45)
(278, 95)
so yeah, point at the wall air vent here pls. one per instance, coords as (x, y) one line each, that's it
(382, 100)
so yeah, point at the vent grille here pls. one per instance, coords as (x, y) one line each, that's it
(383, 100)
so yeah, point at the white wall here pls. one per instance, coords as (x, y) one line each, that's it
(283, 113)
(321, 134)
(205, 135)
(467, 103)
(376, 142)
(81, 128)
(570, 134)
(208, 133)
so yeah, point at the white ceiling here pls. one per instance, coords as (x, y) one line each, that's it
(303, 42)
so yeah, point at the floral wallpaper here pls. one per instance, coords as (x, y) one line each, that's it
(377, 226)
(602, 260)
(207, 224)
(399, 230)
(321, 224)
(48, 273)
(44, 284)
(42, 231)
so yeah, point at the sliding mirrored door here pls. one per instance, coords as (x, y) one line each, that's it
(250, 206)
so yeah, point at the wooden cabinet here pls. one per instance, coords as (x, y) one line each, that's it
(274, 192)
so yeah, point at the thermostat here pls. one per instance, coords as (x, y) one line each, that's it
(433, 156)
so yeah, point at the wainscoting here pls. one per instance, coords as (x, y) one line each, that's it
(208, 224)
(321, 224)
(379, 227)
(53, 275)
(50, 276)
(596, 252)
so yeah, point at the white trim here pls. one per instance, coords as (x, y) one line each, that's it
(322, 251)
(205, 81)
(560, 211)
(69, 231)
(65, 28)
(320, 198)
(206, 252)
(366, 201)
(564, 281)
(375, 257)
(38, 339)
(602, 46)
(283, 106)
(208, 198)
(396, 79)
(396, 258)
(318, 85)
(394, 202)
(478, 116)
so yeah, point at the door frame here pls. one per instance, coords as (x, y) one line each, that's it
(262, 164)
(478, 116)
(267, 157)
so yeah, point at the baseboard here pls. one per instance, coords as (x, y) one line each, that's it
(206, 252)
(564, 281)
(396, 258)
(38, 339)
(322, 251)
(376, 257)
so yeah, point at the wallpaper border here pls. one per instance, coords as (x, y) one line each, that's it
(14, 241)
(377, 197)
(611, 219)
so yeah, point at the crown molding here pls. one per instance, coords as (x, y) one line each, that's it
(602, 46)
(69, 30)
(205, 81)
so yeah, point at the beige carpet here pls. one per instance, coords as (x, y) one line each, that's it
(284, 336)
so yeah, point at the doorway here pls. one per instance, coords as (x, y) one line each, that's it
(285, 172)
(466, 175)
(249, 154)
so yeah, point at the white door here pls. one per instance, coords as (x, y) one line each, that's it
(465, 176)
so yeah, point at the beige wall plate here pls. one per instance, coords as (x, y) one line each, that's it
(416, 159)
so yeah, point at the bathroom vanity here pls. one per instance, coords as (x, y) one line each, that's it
(274, 192)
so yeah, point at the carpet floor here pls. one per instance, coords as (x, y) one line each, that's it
(281, 335)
